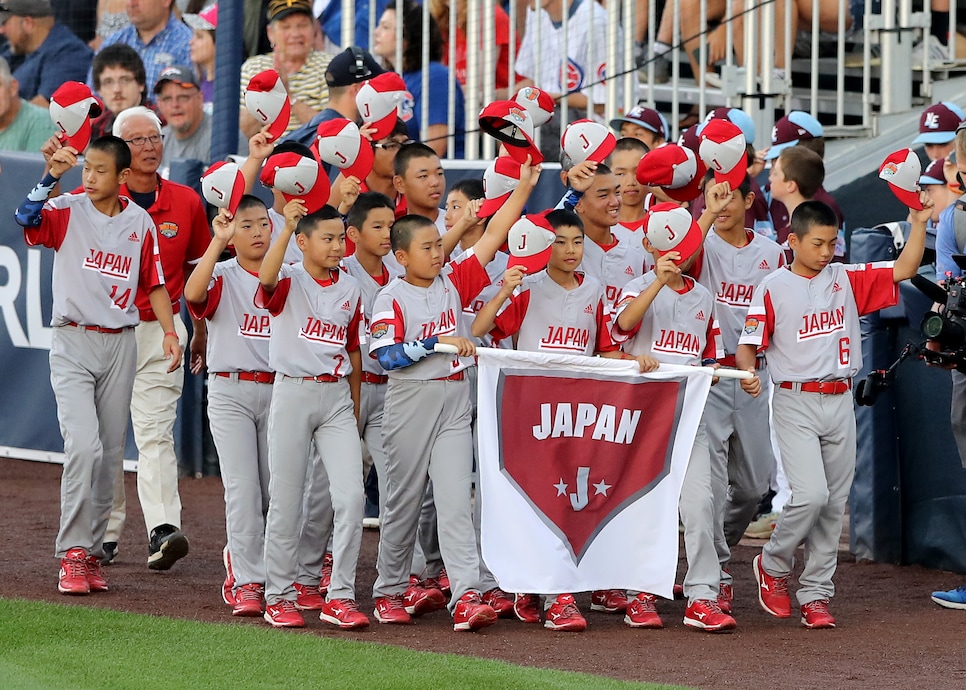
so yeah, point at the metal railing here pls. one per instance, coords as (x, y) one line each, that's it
(849, 74)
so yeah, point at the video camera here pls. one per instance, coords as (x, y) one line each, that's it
(945, 328)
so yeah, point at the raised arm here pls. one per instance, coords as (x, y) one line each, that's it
(272, 263)
(907, 265)
(499, 226)
(223, 227)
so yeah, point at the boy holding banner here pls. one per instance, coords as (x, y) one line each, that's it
(669, 316)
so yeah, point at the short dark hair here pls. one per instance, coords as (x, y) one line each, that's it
(470, 187)
(250, 201)
(629, 144)
(810, 214)
(410, 152)
(744, 188)
(561, 217)
(804, 167)
(817, 145)
(118, 55)
(310, 222)
(367, 201)
(401, 234)
(116, 147)
(603, 169)
(412, 31)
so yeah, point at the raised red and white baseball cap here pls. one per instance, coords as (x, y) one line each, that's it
(297, 177)
(266, 100)
(340, 143)
(735, 116)
(675, 169)
(723, 150)
(538, 103)
(585, 140)
(510, 122)
(378, 102)
(72, 106)
(500, 178)
(902, 170)
(530, 241)
(671, 228)
(223, 186)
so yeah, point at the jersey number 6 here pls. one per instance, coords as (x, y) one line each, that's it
(843, 352)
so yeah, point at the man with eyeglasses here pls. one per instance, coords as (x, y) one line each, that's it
(188, 132)
(182, 238)
(344, 77)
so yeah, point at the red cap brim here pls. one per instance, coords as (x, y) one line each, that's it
(362, 165)
(491, 206)
(908, 198)
(278, 127)
(383, 128)
(687, 247)
(80, 139)
(533, 263)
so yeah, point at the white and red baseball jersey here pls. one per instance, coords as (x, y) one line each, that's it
(100, 261)
(613, 266)
(542, 316)
(809, 327)
(495, 270)
(371, 287)
(238, 331)
(678, 327)
(558, 68)
(293, 254)
(404, 313)
(631, 234)
(315, 323)
(731, 274)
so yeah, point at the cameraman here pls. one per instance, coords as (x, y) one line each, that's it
(951, 239)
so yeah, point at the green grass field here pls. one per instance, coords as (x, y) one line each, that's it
(57, 646)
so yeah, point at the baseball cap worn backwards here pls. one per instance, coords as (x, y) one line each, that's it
(352, 66)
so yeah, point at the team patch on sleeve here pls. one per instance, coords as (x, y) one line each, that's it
(379, 329)
(751, 324)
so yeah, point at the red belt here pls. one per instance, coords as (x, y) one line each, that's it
(824, 387)
(729, 361)
(256, 376)
(374, 378)
(98, 329)
(321, 378)
(458, 376)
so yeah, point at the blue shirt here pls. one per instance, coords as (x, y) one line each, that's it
(946, 244)
(61, 57)
(169, 47)
(438, 98)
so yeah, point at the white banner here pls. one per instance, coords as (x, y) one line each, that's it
(581, 462)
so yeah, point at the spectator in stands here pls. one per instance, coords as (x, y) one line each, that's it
(188, 132)
(937, 128)
(330, 17)
(203, 26)
(45, 54)
(577, 74)
(440, 9)
(23, 126)
(437, 127)
(111, 18)
(157, 35)
(292, 29)
(344, 78)
(120, 81)
(80, 16)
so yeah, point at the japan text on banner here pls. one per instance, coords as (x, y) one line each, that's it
(581, 463)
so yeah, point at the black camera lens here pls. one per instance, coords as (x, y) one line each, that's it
(932, 326)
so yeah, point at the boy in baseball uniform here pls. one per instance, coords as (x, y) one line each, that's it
(426, 426)
(105, 251)
(239, 388)
(531, 309)
(318, 328)
(670, 316)
(805, 318)
(635, 197)
(734, 261)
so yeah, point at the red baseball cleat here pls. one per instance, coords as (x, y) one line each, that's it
(73, 573)
(772, 591)
(564, 615)
(725, 595)
(609, 600)
(443, 580)
(705, 614)
(283, 614)
(325, 574)
(95, 579)
(526, 607)
(499, 601)
(228, 587)
(249, 601)
(308, 597)
(815, 615)
(421, 598)
(642, 612)
(344, 613)
(471, 613)
(391, 610)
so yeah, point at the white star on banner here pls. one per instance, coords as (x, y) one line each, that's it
(561, 488)
(601, 488)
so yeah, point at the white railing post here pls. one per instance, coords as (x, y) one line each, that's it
(471, 93)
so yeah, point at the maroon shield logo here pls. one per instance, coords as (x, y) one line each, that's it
(580, 450)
